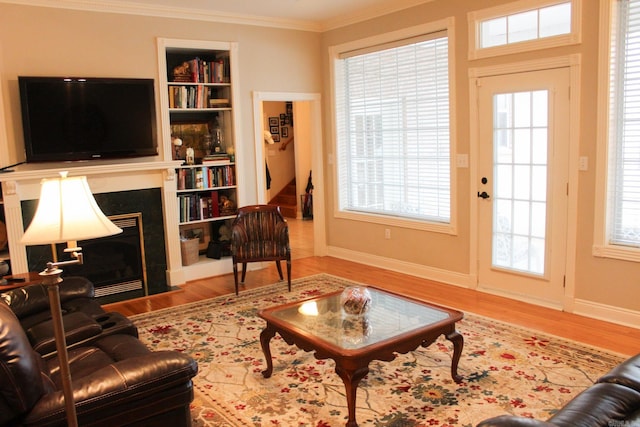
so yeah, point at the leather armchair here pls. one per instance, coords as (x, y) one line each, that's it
(116, 381)
(84, 318)
(260, 233)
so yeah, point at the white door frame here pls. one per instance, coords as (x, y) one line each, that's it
(573, 62)
(317, 162)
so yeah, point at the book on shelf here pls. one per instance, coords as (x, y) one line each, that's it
(206, 177)
(197, 70)
(216, 158)
(217, 102)
(194, 97)
(197, 207)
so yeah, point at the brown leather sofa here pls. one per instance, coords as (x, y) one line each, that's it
(614, 400)
(84, 318)
(116, 380)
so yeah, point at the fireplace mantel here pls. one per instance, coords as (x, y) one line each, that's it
(104, 176)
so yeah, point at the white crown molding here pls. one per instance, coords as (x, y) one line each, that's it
(160, 11)
(171, 12)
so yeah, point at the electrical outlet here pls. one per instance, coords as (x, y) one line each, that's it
(462, 160)
(583, 163)
(387, 233)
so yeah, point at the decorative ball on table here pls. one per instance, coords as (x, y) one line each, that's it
(355, 300)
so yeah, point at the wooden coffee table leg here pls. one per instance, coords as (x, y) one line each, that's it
(265, 337)
(458, 343)
(351, 379)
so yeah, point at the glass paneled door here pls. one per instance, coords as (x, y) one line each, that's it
(522, 184)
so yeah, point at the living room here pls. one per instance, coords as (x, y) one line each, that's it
(41, 41)
(599, 287)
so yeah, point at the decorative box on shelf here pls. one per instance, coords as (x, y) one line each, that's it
(190, 251)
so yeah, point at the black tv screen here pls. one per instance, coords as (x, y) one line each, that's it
(87, 118)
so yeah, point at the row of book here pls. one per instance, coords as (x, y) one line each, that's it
(205, 177)
(195, 97)
(195, 207)
(202, 71)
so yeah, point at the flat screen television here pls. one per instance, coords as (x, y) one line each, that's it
(87, 118)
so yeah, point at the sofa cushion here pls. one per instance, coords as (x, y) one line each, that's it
(21, 384)
(600, 405)
(77, 328)
(627, 373)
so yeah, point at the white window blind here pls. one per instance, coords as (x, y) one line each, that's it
(623, 217)
(393, 136)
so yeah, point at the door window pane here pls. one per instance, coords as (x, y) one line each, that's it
(520, 182)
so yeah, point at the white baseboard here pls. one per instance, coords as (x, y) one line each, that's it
(449, 277)
(607, 313)
(582, 307)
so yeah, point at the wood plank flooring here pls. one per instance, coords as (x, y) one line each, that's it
(616, 338)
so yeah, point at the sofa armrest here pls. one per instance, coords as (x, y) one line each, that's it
(513, 421)
(114, 384)
(627, 374)
(77, 327)
(32, 299)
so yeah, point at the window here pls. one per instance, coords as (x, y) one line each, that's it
(393, 125)
(522, 26)
(622, 216)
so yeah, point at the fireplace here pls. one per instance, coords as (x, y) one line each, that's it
(115, 264)
(128, 265)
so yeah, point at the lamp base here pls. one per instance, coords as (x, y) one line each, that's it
(51, 278)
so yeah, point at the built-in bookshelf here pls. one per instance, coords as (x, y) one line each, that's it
(197, 80)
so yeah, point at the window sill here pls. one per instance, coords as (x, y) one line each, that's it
(617, 252)
(445, 228)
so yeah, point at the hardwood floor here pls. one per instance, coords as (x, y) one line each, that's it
(616, 338)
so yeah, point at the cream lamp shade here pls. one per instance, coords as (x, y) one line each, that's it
(67, 212)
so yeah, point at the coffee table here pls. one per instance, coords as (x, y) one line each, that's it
(394, 324)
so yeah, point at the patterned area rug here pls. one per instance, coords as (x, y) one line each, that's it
(506, 369)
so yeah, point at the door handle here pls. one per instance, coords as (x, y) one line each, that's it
(483, 195)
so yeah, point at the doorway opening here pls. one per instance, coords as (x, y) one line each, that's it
(293, 122)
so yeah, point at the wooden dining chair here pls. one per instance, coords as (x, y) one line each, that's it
(260, 233)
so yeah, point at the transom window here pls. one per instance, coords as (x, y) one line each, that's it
(393, 130)
(530, 25)
(523, 25)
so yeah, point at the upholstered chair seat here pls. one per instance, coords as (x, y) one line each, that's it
(260, 233)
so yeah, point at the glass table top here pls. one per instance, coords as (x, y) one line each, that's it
(389, 316)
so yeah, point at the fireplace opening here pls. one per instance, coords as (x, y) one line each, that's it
(114, 264)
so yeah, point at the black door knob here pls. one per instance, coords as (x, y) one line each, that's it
(483, 195)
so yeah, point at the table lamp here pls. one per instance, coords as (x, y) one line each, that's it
(66, 212)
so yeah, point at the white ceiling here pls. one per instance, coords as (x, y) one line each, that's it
(313, 15)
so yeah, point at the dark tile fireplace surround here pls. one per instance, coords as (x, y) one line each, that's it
(119, 249)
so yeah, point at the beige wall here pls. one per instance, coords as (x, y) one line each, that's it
(48, 41)
(42, 41)
(599, 282)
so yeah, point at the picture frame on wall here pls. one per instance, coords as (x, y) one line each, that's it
(275, 130)
(273, 121)
(284, 131)
(276, 137)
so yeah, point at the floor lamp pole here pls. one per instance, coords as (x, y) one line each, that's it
(51, 279)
